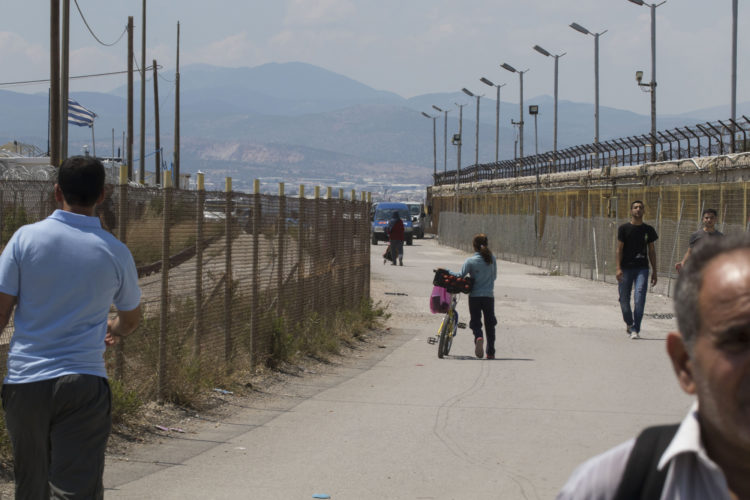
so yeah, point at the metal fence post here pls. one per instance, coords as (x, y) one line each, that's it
(228, 271)
(198, 323)
(255, 304)
(327, 254)
(122, 215)
(340, 251)
(280, 266)
(365, 242)
(164, 306)
(301, 232)
(674, 247)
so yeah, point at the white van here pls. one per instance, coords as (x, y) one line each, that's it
(416, 212)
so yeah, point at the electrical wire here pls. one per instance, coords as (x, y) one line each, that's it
(92, 32)
(93, 75)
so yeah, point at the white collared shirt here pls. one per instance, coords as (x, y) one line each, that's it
(692, 475)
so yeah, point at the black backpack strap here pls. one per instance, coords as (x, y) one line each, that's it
(641, 479)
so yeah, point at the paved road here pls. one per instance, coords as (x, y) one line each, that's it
(402, 424)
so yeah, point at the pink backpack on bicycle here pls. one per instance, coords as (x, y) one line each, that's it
(440, 300)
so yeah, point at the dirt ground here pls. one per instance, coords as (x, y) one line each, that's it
(156, 421)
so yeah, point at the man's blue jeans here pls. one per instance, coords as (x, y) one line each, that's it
(631, 278)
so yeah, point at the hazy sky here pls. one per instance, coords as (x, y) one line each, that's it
(409, 47)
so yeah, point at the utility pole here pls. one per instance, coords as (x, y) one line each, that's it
(131, 55)
(176, 166)
(142, 166)
(734, 75)
(54, 81)
(157, 155)
(64, 76)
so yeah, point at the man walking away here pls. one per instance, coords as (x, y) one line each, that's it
(707, 232)
(708, 454)
(62, 274)
(635, 249)
(395, 231)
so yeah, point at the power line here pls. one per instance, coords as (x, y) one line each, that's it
(79, 77)
(92, 32)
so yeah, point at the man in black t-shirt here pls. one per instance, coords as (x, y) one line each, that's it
(635, 249)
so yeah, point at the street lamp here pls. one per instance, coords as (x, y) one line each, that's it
(445, 137)
(520, 106)
(534, 111)
(476, 149)
(583, 30)
(497, 116)
(652, 84)
(556, 56)
(434, 143)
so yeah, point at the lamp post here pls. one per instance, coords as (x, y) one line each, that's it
(476, 146)
(434, 143)
(556, 56)
(457, 140)
(520, 105)
(445, 137)
(596, 36)
(497, 116)
(652, 84)
(534, 111)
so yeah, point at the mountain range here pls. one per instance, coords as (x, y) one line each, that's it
(298, 122)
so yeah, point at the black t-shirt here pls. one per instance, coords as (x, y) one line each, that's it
(636, 240)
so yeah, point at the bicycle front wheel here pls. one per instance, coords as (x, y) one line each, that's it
(451, 334)
(444, 333)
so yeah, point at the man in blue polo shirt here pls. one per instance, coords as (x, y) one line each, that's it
(62, 274)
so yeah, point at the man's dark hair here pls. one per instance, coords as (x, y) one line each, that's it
(637, 201)
(81, 179)
(710, 211)
(690, 281)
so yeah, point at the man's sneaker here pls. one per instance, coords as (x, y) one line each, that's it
(479, 347)
(629, 329)
(635, 335)
(400, 262)
(490, 356)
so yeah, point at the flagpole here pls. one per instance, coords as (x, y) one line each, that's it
(93, 142)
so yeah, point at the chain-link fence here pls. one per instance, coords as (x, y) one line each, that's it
(573, 229)
(228, 278)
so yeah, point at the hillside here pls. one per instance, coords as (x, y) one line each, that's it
(295, 120)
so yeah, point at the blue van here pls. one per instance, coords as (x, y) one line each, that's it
(382, 213)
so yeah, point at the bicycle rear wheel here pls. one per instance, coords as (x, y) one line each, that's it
(443, 334)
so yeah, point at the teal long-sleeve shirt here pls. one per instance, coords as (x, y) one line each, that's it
(484, 275)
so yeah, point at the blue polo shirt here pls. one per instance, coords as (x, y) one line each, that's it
(66, 272)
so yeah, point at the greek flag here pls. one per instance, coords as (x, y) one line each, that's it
(78, 115)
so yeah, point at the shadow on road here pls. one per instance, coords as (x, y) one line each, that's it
(474, 358)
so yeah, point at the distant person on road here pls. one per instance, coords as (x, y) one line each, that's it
(395, 230)
(482, 267)
(708, 455)
(635, 249)
(62, 274)
(707, 232)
